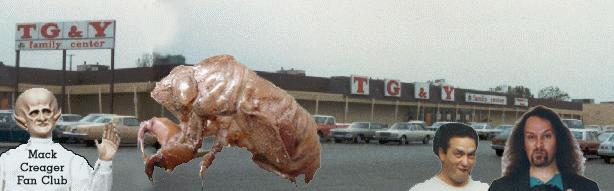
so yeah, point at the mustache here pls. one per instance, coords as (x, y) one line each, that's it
(539, 150)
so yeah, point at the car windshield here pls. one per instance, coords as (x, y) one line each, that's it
(604, 137)
(504, 127)
(478, 126)
(320, 119)
(71, 118)
(577, 135)
(90, 118)
(573, 123)
(6, 117)
(131, 122)
(360, 125)
(103, 119)
(400, 126)
(506, 131)
(436, 125)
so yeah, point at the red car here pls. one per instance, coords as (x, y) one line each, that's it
(325, 124)
(587, 138)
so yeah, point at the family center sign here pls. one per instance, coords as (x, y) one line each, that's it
(95, 34)
(72, 35)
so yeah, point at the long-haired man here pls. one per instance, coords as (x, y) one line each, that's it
(541, 154)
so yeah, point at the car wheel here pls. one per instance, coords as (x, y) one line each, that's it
(367, 140)
(337, 141)
(383, 142)
(499, 152)
(355, 140)
(321, 135)
(608, 160)
(426, 140)
(403, 140)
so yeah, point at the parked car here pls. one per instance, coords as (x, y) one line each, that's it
(573, 123)
(436, 125)
(418, 122)
(606, 149)
(587, 138)
(325, 124)
(604, 136)
(594, 127)
(405, 132)
(127, 126)
(608, 128)
(67, 117)
(498, 142)
(484, 130)
(61, 125)
(357, 131)
(9, 130)
(64, 119)
(502, 127)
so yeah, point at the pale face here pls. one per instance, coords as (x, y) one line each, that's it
(40, 120)
(458, 161)
(36, 112)
(539, 142)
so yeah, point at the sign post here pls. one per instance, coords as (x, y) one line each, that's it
(16, 85)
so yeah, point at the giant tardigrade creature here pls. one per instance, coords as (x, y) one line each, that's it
(222, 98)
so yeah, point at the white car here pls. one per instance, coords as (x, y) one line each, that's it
(436, 125)
(484, 130)
(606, 149)
(573, 123)
(608, 128)
(405, 132)
(594, 127)
(604, 136)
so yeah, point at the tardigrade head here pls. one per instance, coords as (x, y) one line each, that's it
(36, 111)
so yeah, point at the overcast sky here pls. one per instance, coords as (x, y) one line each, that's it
(472, 44)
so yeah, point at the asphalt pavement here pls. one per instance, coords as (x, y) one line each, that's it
(343, 167)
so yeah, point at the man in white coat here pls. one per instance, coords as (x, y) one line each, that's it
(42, 164)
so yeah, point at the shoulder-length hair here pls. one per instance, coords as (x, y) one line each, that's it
(569, 158)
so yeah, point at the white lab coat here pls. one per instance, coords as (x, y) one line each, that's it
(63, 170)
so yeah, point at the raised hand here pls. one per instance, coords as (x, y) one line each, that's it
(110, 143)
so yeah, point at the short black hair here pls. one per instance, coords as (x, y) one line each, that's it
(449, 131)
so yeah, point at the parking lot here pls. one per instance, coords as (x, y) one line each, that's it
(343, 167)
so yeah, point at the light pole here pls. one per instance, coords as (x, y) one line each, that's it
(71, 61)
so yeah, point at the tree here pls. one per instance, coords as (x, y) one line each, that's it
(154, 59)
(501, 89)
(520, 91)
(145, 60)
(516, 91)
(168, 59)
(553, 93)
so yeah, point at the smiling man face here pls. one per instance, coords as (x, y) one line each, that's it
(455, 145)
(457, 161)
